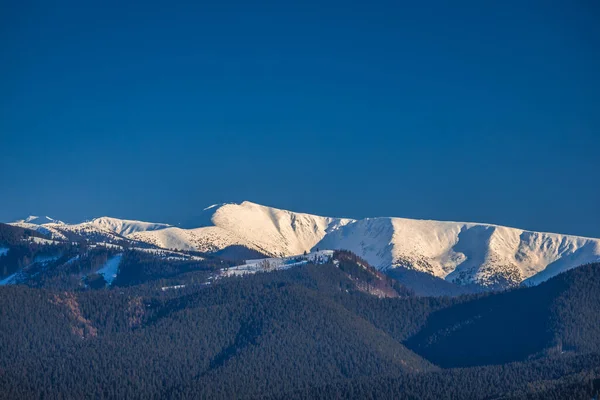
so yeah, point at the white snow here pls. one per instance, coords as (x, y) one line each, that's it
(103, 224)
(104, 228)
(277, 263)
(35, 220)
(164, 288)
(276, 232)
(46, 229)
(457, 251)
(125, 227)
(110, 270)
(87, 230)
(44, 225)
(208, 239)
(462, 252)
(170, 254)
(42, 240)
(107, 245)
(271, 231)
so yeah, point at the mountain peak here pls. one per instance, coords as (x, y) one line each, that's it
(37, 220)
(125, 226)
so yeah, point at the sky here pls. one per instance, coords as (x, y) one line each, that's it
(451, 110)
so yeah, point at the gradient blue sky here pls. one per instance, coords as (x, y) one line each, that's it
(479, 111)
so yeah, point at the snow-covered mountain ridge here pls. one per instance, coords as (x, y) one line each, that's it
(103, 228)
(464, 253)
(484, 254)
(125, 227)
(274, 232)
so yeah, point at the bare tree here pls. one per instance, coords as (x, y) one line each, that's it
(267, 265)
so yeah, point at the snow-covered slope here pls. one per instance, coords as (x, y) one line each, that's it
(110, 270)
(35, 220)
(99, 229)
(125, 227)
(271, 231)
(277, 232)
(44, 225)
(208, 239)
(85, 230)
(463, 253)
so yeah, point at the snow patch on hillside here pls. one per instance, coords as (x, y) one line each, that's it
(110, 270)
(174, 287)
(43, 241)
(277, 263)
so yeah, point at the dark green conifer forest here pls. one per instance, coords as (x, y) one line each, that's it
(337, 330)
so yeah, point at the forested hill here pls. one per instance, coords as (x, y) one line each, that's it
(557, 317)
(334, 330)
(11, 235)
(266, 333)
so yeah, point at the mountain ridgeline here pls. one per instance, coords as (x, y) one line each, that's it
(471, 257)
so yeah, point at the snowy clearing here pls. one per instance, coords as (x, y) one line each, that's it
(275, 264)
(110, 270)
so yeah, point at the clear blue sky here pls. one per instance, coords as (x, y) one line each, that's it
(483, 111)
